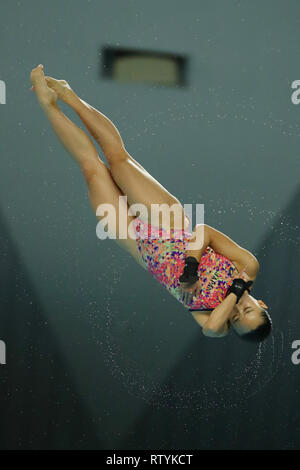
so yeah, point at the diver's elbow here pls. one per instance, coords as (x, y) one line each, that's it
(214, 330)
(211, 333)
(252, 266)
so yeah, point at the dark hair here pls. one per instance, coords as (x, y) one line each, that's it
(262, 331)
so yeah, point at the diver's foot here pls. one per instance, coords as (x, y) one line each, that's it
(62, 88)
(45, 95)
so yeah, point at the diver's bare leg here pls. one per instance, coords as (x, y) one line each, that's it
(101, 186)
(133, 180)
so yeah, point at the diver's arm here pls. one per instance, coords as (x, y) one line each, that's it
(244, 261)
(225, 246)
(217, 323)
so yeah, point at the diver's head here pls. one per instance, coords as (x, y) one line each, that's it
(250, 319)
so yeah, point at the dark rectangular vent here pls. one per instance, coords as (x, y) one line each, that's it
(138, 66)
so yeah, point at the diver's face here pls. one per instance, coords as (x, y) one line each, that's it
(246, 314)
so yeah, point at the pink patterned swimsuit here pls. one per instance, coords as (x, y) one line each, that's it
(164, 259)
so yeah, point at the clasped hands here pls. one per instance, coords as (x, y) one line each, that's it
(191, 291)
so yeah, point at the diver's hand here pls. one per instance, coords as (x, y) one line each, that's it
(189, 291)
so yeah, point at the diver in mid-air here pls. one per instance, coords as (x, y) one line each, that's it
(212, 279)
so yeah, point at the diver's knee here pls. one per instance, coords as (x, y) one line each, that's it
(117, 156)
(91, 170)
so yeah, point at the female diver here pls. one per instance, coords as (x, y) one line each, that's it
(213, 280)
